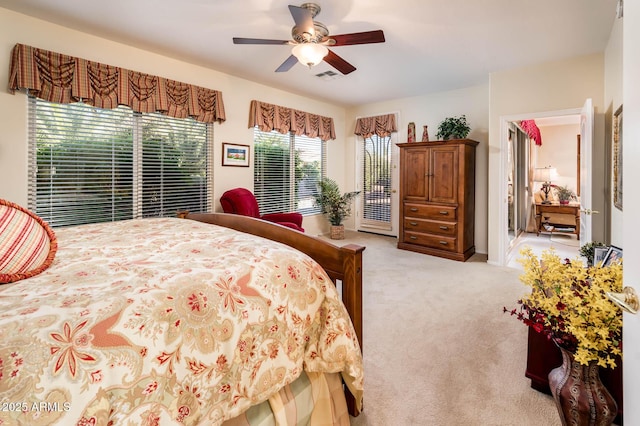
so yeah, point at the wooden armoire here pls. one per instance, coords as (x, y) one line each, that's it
(437, 196)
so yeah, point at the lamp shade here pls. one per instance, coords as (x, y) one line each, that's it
(309, 54)
(544, 174)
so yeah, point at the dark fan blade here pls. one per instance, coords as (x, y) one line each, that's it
(286, 65)
(338, 63)
(240, 40)
(358, 38)
(303, 19)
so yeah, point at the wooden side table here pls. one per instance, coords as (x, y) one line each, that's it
(545, 218)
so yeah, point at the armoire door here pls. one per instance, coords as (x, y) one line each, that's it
(443, 174)
(415, 174)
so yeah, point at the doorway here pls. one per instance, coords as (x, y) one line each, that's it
(377, 179)
(519, 212)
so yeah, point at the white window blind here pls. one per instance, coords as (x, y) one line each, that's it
(287, 168)
(375, 170)
(92, 165)
(174, 165)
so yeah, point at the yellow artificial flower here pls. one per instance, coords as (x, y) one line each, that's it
(568, 303)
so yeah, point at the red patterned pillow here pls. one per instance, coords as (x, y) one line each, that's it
(27, 243)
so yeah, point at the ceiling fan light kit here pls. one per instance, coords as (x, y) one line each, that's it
(310, 54)
(311, 38)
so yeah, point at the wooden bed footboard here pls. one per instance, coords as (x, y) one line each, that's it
(342, 264)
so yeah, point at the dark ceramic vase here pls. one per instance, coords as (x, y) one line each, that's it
(580, 396)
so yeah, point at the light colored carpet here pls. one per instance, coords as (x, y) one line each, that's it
(438, 350)
(565, 239)
(565, 246)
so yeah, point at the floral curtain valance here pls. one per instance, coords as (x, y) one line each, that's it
(381, 125)
(56, 77)
(531, 129)
(270, 117)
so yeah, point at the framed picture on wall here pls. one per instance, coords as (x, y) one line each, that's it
(235, 155)
(617, 158)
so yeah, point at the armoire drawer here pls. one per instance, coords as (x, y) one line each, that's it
(430, 226)
(440, 242)
(427, 211)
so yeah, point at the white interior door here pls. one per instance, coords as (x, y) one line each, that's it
(631, 276)
(586, 144)
(631, 207)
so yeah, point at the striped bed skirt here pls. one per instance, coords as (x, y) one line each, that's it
(312, 399)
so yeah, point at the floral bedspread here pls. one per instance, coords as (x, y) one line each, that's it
(166, 321)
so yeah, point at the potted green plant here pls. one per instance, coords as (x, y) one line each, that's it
(565, 195)
(588, 250)
(335, 204)
(568, 303)
(453, 128)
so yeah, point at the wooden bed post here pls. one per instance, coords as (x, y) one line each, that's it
(352, 285)
(352, 299)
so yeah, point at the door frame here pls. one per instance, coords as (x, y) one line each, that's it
(586, 155)
(504, 244)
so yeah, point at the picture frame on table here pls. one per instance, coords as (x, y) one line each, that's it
(235, 155)
(614, 254)
(599, 253)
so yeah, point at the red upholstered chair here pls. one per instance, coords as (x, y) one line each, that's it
(242, 201)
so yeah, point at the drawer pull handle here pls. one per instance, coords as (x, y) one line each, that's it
(413, 237)
(413, 223)
(444, 228)
(414, 209)
(444, 212)
(444, 243)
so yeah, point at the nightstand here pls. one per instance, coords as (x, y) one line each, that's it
(556, 217)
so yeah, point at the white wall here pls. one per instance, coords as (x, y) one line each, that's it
(555, 86)
(237, 94)
(559, 149)
(613, 100)
(430, 110)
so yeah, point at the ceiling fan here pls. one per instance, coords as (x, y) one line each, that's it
(311, 38)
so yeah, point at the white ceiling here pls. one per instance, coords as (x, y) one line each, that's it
(431, 45)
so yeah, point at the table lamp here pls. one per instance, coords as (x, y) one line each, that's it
(544, 175)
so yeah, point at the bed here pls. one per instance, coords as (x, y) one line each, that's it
(205, 319)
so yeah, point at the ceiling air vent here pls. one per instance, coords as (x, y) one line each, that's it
(327, 75)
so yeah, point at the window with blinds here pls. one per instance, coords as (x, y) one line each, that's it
(287, 169)
(91, 165)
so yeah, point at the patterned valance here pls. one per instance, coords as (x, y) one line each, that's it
(270, 117)
(381, 125)
(56, 77)
(531, 129)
